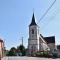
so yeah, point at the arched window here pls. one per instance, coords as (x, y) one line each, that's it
(32, 31)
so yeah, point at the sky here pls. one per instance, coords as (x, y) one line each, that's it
(16, 15)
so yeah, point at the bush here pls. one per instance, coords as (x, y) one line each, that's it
(50, 55)
(47, 54)
(44, 54)
(40, 54)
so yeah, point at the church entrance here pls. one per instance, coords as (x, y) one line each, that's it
(33, 50)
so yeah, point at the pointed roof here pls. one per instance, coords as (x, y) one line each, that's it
(33, 21)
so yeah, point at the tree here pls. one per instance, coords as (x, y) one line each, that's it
(21, 49)
(58, 46)
(5, 51)
(12, 52)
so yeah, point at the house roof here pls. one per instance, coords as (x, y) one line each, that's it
(1, 40)
(50, 39)
(42, 38)
(33, 21)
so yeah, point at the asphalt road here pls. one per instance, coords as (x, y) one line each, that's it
(28, 58)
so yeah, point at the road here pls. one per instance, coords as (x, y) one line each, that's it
(28, 58)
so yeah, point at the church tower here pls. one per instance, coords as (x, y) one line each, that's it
(33, 41)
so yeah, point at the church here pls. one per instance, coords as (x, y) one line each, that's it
(38, 43)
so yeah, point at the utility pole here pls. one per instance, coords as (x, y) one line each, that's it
(22, 41)
(22, 44)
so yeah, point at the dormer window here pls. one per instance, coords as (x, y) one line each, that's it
(32, 31)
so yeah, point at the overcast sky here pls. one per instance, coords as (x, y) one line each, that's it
(16, 15)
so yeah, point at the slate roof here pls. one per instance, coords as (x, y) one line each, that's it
(33, 21)
(50, 39)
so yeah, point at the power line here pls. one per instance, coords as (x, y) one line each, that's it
(25, 35)
(52, 17)
(43, 15)
(46, 11)
(22, 40)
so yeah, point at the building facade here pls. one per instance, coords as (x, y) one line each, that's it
(1, 48)
(36, 41)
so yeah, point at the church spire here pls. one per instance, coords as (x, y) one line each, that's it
(33, 21)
